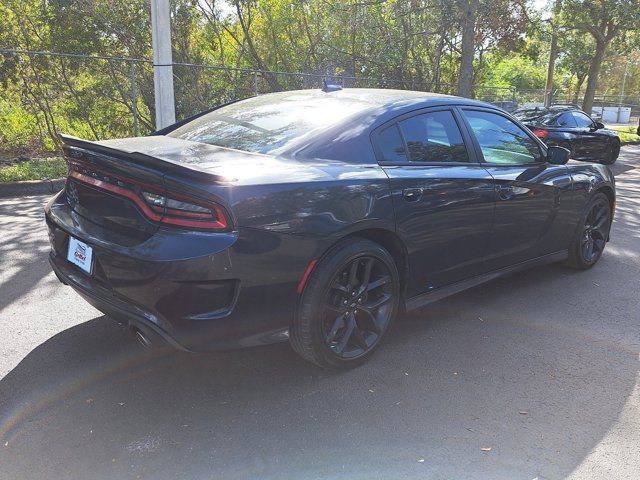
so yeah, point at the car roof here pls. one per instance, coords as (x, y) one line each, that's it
(382, 97)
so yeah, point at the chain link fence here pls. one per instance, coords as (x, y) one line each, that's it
(106, 97)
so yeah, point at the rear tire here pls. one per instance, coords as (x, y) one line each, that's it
(348, 305)
(592, 233)
(614, 151)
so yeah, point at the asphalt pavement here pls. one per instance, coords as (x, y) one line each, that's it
(531, 376)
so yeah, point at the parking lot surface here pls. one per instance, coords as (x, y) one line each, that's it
(531, 376)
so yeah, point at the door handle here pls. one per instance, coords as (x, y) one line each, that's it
(412, 194)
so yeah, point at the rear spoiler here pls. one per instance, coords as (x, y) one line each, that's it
(73, 146)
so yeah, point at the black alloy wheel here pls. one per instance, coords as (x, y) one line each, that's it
(587, 249)
(614, 152)
(348, 305)
(595, 231)
(358, 307)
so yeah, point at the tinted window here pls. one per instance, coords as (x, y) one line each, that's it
(527, 115)
(566, 120)
(391, 146)
(501, 140)
(433, 137)
(266, 123)
(582, 120)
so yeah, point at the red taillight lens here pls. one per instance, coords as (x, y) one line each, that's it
(186, 214)
(540, 133)
(160, 206)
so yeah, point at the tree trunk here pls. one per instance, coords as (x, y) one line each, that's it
(465, 75)
(576, 95)
(553, 53)
(594, 71)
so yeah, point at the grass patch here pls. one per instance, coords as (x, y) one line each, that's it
(627, 134)
(36, 169)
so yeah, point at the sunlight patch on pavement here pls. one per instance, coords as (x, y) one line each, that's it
(615, 455)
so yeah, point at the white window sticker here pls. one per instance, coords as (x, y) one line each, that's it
(80, 254)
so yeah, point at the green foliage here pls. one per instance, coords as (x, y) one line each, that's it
(37, 169)
(413, 44)
(17, 126)
(516, 71)
(628, 135)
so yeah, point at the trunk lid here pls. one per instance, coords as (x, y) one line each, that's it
(108, 181)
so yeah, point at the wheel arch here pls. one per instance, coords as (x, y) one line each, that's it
(392, 243)
(611, 196)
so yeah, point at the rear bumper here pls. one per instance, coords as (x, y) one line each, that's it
(194, 291)
(103, 300)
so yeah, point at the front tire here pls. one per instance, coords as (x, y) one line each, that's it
(614, 151)
(592, 233)
(348, 305)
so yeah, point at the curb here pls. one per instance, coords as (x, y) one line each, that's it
(31, 187)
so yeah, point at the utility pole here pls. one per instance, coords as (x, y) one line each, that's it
(553, 53)
(624, 82)
(162, 63)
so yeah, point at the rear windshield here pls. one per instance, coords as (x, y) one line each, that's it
(268, 123)
(528, 115)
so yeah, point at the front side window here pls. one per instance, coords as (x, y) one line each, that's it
(501, 140)
(582, 120)
(433, 137)
(566, 120)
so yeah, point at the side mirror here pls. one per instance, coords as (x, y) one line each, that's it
(599, 125)
(557, 155)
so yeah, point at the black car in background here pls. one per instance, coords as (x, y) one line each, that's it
(569, 127)
(316, 217)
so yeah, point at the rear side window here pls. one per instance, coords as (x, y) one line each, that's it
(501, 140)
(582, 120)
(433, 137)
(391, 145)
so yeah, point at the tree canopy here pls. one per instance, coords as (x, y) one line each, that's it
(466, 46)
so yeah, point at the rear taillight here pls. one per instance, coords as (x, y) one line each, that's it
(540, 133)
(186, 214)
(163, 207)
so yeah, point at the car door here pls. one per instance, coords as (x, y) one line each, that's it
(443, 198)
(532, 213)
(566, 134)
(593, 145)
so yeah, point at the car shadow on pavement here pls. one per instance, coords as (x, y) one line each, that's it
(539, 389)
(523, 377)
(22, 249)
